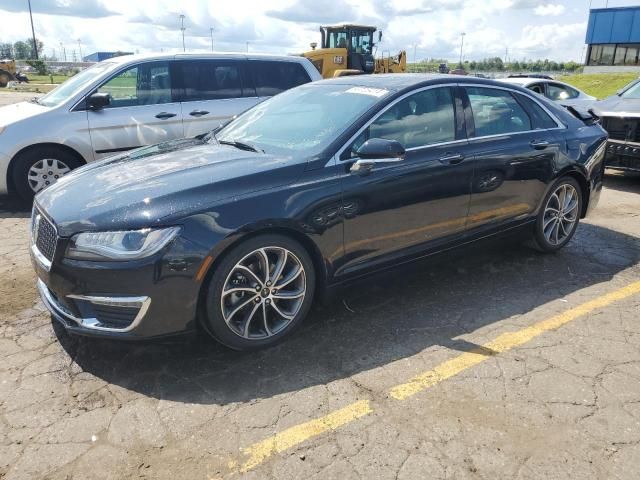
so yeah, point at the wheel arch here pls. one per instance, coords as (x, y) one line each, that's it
(307, 243)
(37, 146)
(581, 178)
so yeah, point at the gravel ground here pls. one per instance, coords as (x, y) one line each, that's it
(564, 405)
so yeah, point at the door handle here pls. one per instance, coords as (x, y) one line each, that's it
(165, 115)
(540, 144)
(451, 158)
(199, 113)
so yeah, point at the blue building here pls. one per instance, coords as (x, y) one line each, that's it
(100, 56)
(613, 39)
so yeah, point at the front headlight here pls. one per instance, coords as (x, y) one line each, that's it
(126, 245)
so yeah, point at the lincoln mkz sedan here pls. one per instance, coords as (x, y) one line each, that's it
(237, 231)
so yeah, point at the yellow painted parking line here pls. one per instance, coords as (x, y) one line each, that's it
(289, 438)
(293, 436)
(505, 342)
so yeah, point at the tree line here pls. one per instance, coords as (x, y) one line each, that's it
(496, 64)
(21, 50)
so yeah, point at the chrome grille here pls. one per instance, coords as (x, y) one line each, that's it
(44, 234)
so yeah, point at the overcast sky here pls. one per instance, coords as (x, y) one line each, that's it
(553, 29)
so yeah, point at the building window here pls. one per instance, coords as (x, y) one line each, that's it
(614, 54)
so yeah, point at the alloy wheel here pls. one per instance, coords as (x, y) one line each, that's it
(560, 214)
(46, 172)
(263, 293)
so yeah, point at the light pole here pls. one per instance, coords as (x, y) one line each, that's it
(211, 30)
(80, 49)
(64, 51)
(247, 47)
(33, 33)
(414, 52)
(461, 46)
(182, 29)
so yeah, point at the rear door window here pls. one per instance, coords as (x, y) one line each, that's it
(273, 77)
(210, 79)
(540, 118)
(496, 112)
(558, 92)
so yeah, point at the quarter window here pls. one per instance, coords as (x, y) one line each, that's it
(496, 112)
(422, 119)
(210, 80)
(272, 78)
(144, 84)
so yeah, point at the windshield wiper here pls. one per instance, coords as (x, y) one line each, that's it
(240, 145)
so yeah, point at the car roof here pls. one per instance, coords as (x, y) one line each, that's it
(523, 80)
(205, 55)
(402, 81)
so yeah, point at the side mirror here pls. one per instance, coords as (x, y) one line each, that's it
(381, 148)
(98, 101)
(375, 151)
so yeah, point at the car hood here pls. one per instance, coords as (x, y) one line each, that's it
(19, 111)
(616, 106)
(158, 185)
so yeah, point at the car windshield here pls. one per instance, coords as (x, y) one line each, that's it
(304, 120)
(632, 91)
(70, 87)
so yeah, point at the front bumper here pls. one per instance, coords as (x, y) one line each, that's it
(622, 155)
(101, 320)
(148, 298)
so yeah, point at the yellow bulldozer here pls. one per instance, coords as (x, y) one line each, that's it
(7, 72)
(349, 50)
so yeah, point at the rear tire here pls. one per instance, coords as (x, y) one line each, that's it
(559, 216)
(37, 166)
(246, 309)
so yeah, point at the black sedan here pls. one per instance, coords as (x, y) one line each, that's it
(238, 231)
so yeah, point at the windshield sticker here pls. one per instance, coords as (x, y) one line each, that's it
(374, 92)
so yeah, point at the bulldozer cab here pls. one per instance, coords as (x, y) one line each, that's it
(357, 40)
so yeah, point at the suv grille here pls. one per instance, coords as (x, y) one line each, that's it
(625, 129)
(45, 235)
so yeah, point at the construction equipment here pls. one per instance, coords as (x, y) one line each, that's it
(7, 72)
(349, 50)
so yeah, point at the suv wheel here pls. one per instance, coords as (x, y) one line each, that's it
(558, 219)
(260, 292)
(38, 168)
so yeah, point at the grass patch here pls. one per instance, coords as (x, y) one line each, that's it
(600, 85)
(46, 78)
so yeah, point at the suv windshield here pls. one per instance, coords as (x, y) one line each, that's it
(632, 92)
(304, 120)
(70, 87)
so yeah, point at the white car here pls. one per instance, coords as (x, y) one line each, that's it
(131, 101)
(552, 89)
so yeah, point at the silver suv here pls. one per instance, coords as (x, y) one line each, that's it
(128, 102)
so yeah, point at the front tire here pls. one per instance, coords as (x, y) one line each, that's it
(559, 216)
(259, 293)
(38, 168)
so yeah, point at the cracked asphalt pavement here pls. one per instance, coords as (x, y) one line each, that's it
(563, 404)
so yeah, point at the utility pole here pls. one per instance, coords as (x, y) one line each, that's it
(461, 46)
(414, 52)
(182, 28)
(247, 47)
(80, 49)
(64, 52)
(211, 30)
(33, 33)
